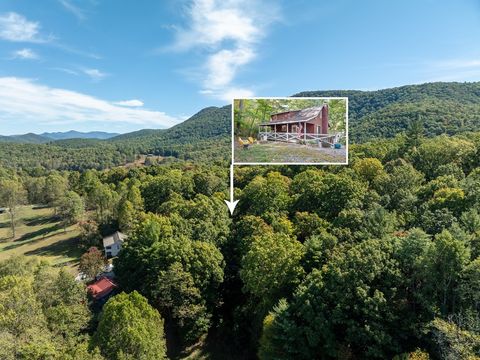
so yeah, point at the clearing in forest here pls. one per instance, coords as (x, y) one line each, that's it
(39, 233)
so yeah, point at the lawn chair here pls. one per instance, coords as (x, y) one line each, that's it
(246, 144)
(251, 140)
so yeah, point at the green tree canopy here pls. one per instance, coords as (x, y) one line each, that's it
(130, 327)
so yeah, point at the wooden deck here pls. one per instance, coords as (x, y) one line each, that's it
(296, 137)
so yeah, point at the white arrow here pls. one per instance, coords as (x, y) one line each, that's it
(232, 203)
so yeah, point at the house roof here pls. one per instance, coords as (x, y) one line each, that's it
(101, 288)
(297, 116)
(117, 236)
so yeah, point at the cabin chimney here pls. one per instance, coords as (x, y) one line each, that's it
(325, 119)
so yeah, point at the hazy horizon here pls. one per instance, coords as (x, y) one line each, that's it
(125, 66)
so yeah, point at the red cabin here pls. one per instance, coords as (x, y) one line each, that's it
(312, 120)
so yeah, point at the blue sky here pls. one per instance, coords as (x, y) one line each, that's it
(125, 65)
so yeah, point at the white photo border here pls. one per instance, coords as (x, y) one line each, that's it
(290, 98)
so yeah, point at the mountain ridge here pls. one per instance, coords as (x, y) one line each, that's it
(73, 134)
(43, 138)
(444, 107)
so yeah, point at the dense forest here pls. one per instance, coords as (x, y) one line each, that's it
(379, 259)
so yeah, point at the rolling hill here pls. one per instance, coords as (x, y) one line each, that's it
(29, 138)
(449, 108)
(202, 137)
(444, 107)
(205, 134)
(210, 122)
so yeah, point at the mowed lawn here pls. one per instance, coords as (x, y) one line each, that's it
(39, 233)
(288, 153)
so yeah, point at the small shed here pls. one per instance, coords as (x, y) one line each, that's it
(102, 288)
(112, 244)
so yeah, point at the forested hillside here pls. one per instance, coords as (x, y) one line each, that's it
(441, 108)
(202, 137)
(375, 260)
(444, 108)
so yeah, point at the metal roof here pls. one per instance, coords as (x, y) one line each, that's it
(285, 122)
(298, 116)
(117, 236)
(101, 288)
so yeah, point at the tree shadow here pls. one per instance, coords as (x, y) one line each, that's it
(67, 248)
(39, 233)
(18, 243)
(40, 220)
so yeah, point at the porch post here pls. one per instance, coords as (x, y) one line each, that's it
(304, 132)
(287, 132)
(325, 119)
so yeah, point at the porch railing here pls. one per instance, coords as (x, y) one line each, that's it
(296, 137)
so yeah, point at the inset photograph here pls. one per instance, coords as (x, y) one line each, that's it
(291, 131)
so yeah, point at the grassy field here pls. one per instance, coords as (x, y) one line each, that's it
(288, 153)
(39, 234)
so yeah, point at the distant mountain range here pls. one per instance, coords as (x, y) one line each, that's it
(31, 138)
(444, 108)
(72, 134)
(203, 137)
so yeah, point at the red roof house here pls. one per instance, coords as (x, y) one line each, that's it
(312, 120)
(309, 124)
(101, 288)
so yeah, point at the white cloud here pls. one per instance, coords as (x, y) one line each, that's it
(455, 69)
(229, 31)
(24, 100)
(27, 54)
(74, 9)
(233, 93)
(223, 65)
(15, 27)
(95, 74)
(457, 63)
(130, 103)
(66, 70)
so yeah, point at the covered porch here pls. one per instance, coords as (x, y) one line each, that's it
(296, 132)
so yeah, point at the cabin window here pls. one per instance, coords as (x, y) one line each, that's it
(294, 128)
(284, 128)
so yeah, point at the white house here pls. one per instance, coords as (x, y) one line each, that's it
(112, 244)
